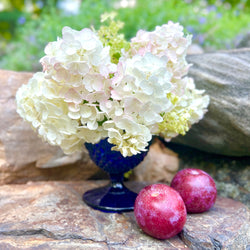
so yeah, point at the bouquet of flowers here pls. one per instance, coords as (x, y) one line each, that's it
(97, 85)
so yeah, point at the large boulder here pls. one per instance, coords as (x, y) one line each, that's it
(244, 42)
(225, 129)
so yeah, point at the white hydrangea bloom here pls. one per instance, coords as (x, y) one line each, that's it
(75, 56)
(142, 84)
(195, 100)
(83, 97)
(166, 40)
(187, 110)
(129, 137)
(40, 104)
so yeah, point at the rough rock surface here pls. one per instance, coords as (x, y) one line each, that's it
(52, 215)
(24, 156)
(231, 174)
(214, 229)
(160, 165)
(226, 127)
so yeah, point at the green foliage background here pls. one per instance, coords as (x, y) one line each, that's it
(214, 25)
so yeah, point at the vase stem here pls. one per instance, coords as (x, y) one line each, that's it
(115, 197)
(117, 181)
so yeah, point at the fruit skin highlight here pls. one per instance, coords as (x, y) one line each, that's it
(160, 211)
(197, 189)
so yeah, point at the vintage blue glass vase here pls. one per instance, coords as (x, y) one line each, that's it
(115, 197)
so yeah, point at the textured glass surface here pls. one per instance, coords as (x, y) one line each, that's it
(114, 197)
(112, 161)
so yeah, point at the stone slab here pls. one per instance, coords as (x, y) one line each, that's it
(224, 75)
(225, 226)
(52, 215)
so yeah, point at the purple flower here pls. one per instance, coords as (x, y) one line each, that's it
(219, 15)
(190, 29)
(211, 8)
(200, 38)
(32, 39)
(21, 20)
(202, 20)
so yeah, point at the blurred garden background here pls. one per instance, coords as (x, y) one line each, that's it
(26, 26)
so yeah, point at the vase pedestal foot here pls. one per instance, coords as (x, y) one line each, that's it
(111, 199)
(115, 197)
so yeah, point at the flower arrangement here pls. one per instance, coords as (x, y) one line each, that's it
(97, 85)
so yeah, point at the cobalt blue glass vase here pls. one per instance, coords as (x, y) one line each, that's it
(114, 197)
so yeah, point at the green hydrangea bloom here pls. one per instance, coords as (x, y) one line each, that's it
(176, 121)
(109, 36)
